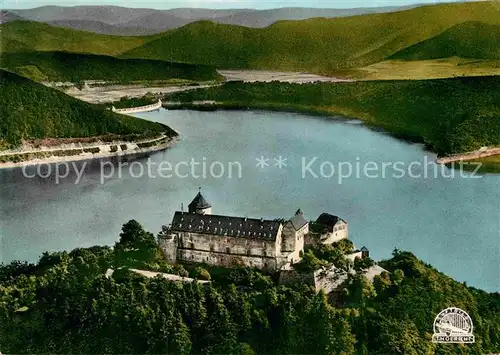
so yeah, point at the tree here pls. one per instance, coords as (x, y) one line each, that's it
(134, 236)
(361, 264)
(201, 273)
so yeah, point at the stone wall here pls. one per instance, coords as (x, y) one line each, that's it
(291, 276)
(328, 280)
(340, 231)
(230, 245)
(168, 244)
(146, 108)
(226, 260)
(230, 251)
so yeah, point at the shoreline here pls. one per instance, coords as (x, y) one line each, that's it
(318, 111)
(469, 156)
(170, 141)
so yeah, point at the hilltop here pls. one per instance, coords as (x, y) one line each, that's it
(317, 45)
(35, 36)
(472, 39)
(7, 16)
(116, 20)
(75, 67)
(32, 111)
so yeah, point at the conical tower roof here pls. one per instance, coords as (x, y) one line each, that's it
(199, 203)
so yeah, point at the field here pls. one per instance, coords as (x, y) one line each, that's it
(423, 69)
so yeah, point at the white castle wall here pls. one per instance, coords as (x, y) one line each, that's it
(146, 108)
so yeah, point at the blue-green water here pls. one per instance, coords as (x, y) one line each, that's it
(452, 223)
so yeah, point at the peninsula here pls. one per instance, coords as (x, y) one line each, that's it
(40, 124)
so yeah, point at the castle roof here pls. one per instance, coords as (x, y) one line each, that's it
(298, 221)
(328, 219)
(240, 227)
(199, 202)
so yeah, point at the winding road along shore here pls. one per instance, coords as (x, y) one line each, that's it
(105, 150)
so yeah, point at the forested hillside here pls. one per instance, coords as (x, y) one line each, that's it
(471, 39)
(36, 36)
(448, 115)
(30, 110)
(66, 304)
(75, 67)
(317, 45)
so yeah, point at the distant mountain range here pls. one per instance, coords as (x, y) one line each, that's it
(7, 16)
(124, 21)
(317, 45)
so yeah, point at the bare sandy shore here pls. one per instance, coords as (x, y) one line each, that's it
(251, 76)
(482, 153)
(115, 93)
(105, 94)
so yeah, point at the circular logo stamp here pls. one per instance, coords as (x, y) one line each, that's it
(453, 325)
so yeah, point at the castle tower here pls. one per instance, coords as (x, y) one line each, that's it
(168, 244)
(199, 205)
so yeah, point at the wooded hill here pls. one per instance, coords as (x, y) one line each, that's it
(317, 45)
(66, 304)
(448, 115)
(76, 67)
(30, 110)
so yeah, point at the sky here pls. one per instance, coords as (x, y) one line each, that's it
(216, 4)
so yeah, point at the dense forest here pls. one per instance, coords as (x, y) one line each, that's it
(66, 304)
(448, 115)
(76, 67)
(33, 111)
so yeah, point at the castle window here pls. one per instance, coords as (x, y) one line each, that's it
(191, 245)
(211, 248)
(248, 252)
(228, 250)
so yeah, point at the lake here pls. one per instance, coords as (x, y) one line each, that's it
(266, 164)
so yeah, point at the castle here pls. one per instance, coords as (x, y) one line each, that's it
(198, 236)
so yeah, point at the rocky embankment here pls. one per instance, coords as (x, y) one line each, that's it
(481, 153)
